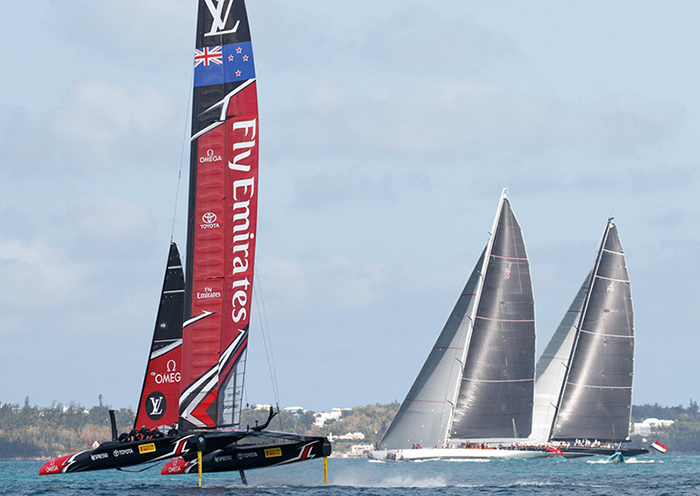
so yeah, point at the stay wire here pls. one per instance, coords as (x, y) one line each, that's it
(182, 158)
(267, 340)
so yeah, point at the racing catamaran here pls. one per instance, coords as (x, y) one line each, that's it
(197, 363)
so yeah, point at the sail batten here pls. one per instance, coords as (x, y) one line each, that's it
(595, 399)
(458, 379)
(496, 394)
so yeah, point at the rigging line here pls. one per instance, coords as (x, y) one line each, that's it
(182, 157)
(267, 340)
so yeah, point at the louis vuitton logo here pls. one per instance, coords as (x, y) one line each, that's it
(220, 17)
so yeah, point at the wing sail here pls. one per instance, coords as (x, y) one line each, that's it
(222, 217)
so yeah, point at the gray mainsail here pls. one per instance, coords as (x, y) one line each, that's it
(497, 387)
(596, 401)
(478, 379)
(550, 372)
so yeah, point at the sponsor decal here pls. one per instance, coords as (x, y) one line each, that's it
(249, 454)
(243, 195)
(118, 453)
(225, 458)
(98, 456)
(220, 13)
(272, 452)
(210, 157)
(208, 293)
(170, 376)
(147, 448)
(209, 220)
(506, 274)
(156, 404)
(52, 468)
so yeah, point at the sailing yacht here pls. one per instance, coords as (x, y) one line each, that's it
(583, 388)
(473, 397)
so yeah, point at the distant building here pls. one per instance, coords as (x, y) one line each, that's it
(645, 427)
(360, 449)
(296, 411)
(320, 419)
(350, 436)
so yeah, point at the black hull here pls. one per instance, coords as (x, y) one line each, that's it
(581, 451)
(250, 456)
(113, 454)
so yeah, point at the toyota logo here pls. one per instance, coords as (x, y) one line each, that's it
(209, 217)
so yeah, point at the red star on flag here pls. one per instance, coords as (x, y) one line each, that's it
(238, 73)
(230, 58)
(238, 50)
(245, 58)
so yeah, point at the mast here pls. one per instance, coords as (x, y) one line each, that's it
(482, 266)
(596, 400)
(222, 217)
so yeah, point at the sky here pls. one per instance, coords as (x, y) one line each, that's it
(387, 131)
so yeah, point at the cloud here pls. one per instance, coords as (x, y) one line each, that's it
(42, 277)
(322, 285)
(114, 225)
(150, 27)
(101, 117)
(442, 119)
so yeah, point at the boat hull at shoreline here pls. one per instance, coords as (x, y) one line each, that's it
(581, 451)
(457, 454)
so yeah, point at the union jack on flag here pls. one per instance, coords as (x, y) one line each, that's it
(208, 55)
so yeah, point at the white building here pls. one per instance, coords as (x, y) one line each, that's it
(645, 427)
(321, 418)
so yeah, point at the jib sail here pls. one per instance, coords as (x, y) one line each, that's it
(161, 386)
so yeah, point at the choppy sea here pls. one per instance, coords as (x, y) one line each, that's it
(645, 475)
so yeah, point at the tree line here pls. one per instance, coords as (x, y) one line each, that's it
(42, 432)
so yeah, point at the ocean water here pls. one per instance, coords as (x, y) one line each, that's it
(646, 475)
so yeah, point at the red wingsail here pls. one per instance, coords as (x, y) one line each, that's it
(222, 218)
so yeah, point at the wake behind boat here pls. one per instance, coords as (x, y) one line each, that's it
(471, 453)
(478, 380)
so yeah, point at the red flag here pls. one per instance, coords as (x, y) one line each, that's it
(555, 449)
(658, 447)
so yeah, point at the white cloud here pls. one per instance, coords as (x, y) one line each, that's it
(106, 223)
(38, 276)
(443, 119)
(107, 124)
